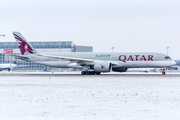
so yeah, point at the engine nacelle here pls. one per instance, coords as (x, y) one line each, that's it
(119, 69)
(102, 66)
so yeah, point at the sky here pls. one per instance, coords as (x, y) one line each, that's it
(126, 25)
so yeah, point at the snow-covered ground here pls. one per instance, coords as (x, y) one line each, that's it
(101, 97)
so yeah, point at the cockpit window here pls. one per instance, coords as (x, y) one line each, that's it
(167, 57)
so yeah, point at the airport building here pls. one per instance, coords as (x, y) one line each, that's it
(48, 46)
(177, 62)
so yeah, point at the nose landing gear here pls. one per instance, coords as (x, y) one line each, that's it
(164, 71)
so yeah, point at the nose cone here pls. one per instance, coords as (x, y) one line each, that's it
(173, 63)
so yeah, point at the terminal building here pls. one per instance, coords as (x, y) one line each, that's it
(48, 46)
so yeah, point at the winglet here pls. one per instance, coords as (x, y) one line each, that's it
(24, 46)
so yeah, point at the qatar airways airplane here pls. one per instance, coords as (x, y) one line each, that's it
(92, 63)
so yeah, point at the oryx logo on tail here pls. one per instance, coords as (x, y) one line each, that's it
(23, 45)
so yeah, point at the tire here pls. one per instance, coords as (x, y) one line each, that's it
(98, 73)
(93, 73)
(163, 73)
(83, 73)
(88, 73)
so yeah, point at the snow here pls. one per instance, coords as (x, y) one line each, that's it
(76, 97)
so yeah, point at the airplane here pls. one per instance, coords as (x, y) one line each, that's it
(92, 63)
(8, 66)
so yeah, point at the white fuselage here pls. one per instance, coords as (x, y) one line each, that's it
(126, 59)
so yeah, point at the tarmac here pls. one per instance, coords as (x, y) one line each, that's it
(128, 74)
(72, 96)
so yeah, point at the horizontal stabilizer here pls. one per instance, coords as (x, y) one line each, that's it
(17, 56)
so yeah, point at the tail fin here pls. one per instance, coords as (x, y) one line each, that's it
(15, 61)
(24, 46)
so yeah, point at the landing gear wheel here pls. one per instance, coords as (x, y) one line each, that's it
(93, 73)
(82, 73)
(85, 73)
(98, 73)
(163, 73)
(90, 73)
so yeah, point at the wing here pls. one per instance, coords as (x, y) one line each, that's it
(72, 59)
(79, 60)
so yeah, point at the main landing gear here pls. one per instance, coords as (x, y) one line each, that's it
(164, 71)
(90, 73)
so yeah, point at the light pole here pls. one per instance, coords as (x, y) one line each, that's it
(112, 49)
(167, 49)
(59, 48)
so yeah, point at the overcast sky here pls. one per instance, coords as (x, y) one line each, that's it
(127, 25)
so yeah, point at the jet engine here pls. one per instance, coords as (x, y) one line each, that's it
(119, 69)
(102, 66)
